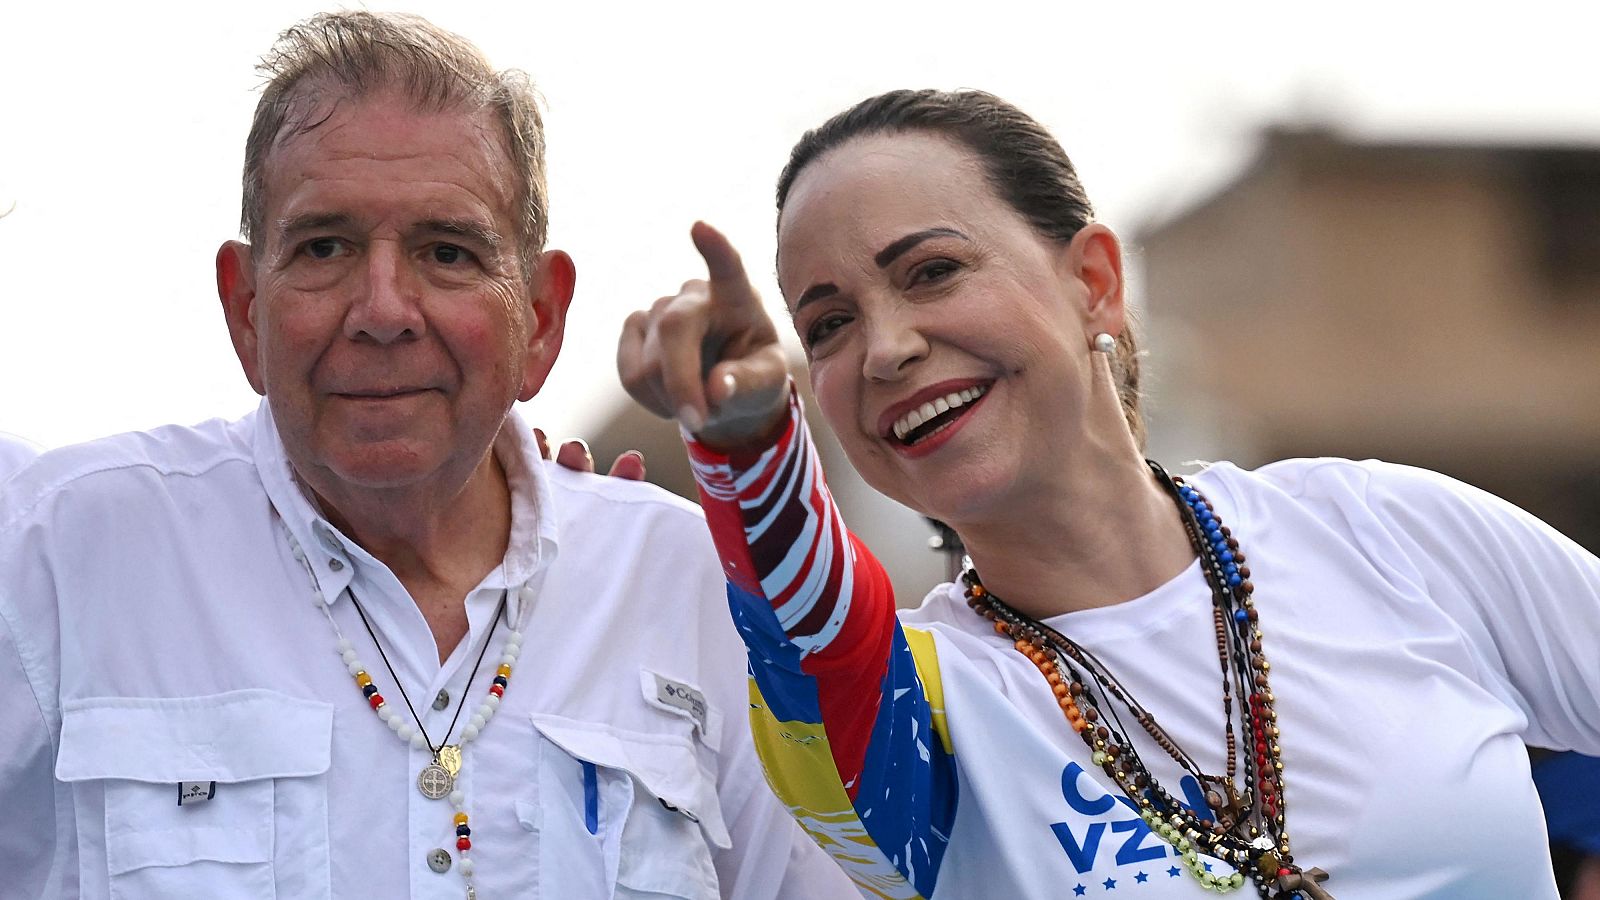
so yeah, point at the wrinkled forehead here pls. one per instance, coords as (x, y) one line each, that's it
(342, 136)
(317, 107)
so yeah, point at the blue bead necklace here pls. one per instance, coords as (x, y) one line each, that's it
(1243, 828)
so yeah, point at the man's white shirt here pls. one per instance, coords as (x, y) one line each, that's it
(156, 632)
(15, 452)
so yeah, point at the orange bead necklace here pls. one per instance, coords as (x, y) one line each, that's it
(1244, 827)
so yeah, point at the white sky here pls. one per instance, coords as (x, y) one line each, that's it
(122, 127)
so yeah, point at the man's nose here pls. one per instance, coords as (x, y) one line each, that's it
(894, 344)
(388, 302)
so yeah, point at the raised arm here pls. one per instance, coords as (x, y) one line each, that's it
(845, 703)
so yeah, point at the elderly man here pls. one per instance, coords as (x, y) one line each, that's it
(363, 642)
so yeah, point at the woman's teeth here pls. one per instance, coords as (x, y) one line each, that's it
(920, 416)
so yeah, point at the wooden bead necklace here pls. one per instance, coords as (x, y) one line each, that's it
(1249, 831)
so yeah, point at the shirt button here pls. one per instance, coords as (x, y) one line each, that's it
(335, 565)
(442, 701)
(439, 860)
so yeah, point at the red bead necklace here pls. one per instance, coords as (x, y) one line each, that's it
(1245, 827)
(437, 780)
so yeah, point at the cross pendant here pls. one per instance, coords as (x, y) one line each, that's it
(1307, 882)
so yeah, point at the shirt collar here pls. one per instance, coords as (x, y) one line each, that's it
(333, 557)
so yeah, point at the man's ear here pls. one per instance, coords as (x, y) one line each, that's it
(236, 287)
(553, 282)
(1096, 258)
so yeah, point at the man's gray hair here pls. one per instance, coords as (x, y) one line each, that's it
(358, 53)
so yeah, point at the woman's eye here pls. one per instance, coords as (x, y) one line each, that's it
(824, 327)
(933, 270)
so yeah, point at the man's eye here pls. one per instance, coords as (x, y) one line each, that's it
(449, 254)
(323, 248)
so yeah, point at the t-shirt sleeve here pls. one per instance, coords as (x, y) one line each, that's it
(1526, 597)
(845, 702)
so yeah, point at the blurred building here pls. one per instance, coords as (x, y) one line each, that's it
(1433, 304)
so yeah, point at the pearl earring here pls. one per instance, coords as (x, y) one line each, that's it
(1104, 343)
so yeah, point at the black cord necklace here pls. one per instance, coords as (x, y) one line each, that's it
(438, 777)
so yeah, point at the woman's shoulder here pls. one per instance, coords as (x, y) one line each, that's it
(1370, 497)
(1326, 480)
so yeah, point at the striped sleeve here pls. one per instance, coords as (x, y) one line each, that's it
(846, 705)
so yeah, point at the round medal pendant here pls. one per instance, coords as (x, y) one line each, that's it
(435, 781)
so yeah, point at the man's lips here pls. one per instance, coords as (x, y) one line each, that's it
(380, 393)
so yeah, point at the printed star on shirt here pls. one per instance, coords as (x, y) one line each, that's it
(1110, 883)
(1141, 878)
(1079, 891)
(1174, 872)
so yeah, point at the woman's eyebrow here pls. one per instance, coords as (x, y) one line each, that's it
(892, 252)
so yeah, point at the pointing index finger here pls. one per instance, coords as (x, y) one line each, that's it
(728, 278)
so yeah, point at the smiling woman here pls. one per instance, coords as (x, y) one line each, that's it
(1054, 725)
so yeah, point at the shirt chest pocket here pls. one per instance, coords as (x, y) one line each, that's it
(260, 833)
(626, 811)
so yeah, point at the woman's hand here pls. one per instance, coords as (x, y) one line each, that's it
(709, 355)
(574, 454)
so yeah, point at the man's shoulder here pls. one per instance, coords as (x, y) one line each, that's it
(600, 494)
(15, 452)
(615, 517)
(127, 463)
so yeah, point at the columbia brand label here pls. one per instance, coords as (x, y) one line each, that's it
(192, 792)
(682, 696)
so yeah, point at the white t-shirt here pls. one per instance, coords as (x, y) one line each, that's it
(156, 630)
(1419, 632)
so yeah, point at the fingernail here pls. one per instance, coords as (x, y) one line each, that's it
(690, 417)
(574, 454)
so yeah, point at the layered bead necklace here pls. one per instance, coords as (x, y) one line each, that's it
(437, 780)
(1248, 831)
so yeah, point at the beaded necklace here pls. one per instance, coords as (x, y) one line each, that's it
(437, 780)
(1249, 830)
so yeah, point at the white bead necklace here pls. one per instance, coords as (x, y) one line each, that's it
(437, 780)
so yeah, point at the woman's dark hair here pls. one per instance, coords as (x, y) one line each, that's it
(1025, 166)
